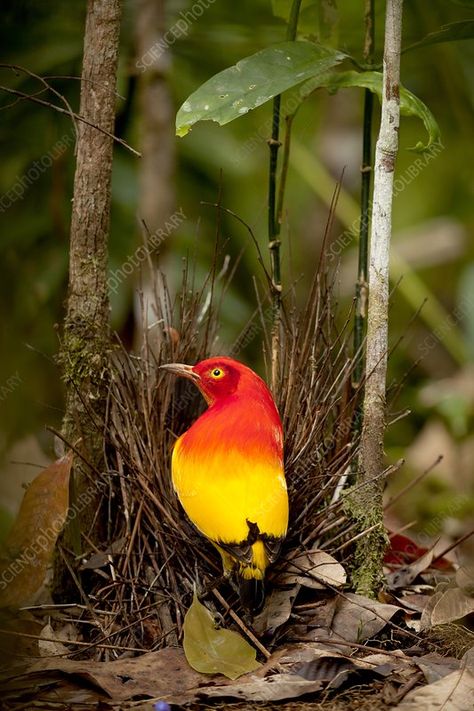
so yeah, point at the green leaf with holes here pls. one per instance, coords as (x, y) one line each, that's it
(212, 650)
(253, 81)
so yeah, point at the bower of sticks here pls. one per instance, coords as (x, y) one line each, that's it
(119, 645)
(156, 559)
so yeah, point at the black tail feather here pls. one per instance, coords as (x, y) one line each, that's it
(252, 594)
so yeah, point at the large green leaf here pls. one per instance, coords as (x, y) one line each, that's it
(410, 105)
(253, 81)
(454, 32)
(211, 650)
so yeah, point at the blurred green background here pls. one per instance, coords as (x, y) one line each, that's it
(433, 215)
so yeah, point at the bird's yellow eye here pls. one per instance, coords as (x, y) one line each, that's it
(217, 373)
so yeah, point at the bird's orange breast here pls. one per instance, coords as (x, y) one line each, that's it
(227, 469)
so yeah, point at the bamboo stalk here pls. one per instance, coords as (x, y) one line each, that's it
(367, 505)
(366, 170)
(273, 210)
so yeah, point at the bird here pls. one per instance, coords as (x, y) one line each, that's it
(227, 471)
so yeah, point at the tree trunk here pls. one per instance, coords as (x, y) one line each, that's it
(86, 339)
(157, 197)
(366, 499)
(157, 194)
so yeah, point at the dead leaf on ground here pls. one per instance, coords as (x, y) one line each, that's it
(334, 668)
(408, 573)
(359, 618)
(163, 674)
(49, 645)
(454, 692)
(434, 666)
(99, 560)
(211, 650)
(451, 605)
(30, 543)
(277, 610)
(276, 687)
(412, 601)
(313, 569)
(465, 579)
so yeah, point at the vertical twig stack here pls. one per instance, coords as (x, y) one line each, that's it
(367, 499)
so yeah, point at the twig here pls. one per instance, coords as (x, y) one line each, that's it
(241, 624)
(78, 117)
(412, 484)
(453, 545)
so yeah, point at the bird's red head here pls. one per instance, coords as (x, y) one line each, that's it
(219, 377)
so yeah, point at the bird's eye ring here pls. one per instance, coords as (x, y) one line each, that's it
(217, 373)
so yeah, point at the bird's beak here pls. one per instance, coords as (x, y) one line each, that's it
(185, 371)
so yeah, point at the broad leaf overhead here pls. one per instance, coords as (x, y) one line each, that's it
(410, 105)
(454, 32)
(253, 81)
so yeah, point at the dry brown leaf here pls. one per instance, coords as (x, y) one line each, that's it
(99, 560)
(164, 674)
(434, 666)
(359, 618)
(48, 646)
(314, 569)
(30, 543)
(333, 668)
(276, 687)
(425, 621)
(454, 692)
(451, 605)
(465, 579)
(408, 573)
(277, 610)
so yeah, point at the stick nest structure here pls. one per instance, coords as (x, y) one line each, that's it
(140, 584)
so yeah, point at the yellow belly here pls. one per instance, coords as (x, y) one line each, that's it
(222, 489)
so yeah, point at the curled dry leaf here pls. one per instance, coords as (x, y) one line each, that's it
(451, 605)
(277, 610)
(314, 569)
(276, 687)
(465, 579)
(435, 666)
(407, 573)
(30, 543)
(47, 644)
(359, 618)
(453, 692)
(164, 674)
(210, 650)
(101, 559)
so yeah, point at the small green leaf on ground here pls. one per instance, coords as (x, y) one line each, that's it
(253, 81)
(210, 650)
